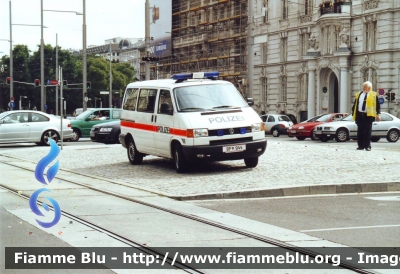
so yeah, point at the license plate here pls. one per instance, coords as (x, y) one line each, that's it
(236, 148)
(319, 132)
(292, 131)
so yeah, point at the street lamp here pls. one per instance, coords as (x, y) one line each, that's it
(20, 101)
(84, 74)
(42, 89)
(11, 52)
(110, 96)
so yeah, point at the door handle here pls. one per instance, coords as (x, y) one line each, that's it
(155, 118)
(152, 116)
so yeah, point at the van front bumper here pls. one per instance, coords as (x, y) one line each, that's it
(215, 152)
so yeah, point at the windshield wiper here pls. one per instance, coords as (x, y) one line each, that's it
(189, 109)
(225, 107)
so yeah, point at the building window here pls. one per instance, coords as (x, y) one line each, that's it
(302, 94)
(283, 49)
(303, 43)
(337, 37)
(283, 96)
(370, 74)
(308, 7)
(370, 36)
(264, 89)
(284, 9)
(264, 53)
(266, 6)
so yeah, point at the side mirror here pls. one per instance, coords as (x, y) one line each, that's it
(250, 101)
(87, 119)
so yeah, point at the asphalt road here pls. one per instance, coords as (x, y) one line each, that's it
(360, 220)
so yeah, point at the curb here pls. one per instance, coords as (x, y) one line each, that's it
(294, 191)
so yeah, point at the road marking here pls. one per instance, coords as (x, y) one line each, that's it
(385, 198)
(347, 228)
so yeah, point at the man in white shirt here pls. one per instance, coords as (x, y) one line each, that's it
(366, 109)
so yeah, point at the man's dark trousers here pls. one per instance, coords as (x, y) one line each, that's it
(364, 124)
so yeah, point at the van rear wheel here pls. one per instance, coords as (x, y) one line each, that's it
(181, 165)
(251, 162)
(134, 156)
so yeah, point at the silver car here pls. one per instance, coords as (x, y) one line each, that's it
(345, 129)
(32, 126)
(276, 124)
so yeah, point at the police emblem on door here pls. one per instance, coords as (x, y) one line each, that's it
(231, 131)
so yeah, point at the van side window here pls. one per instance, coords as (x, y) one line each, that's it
(131, 98)
(147, 100)
(165, 102)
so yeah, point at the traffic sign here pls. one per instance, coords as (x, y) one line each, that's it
(52, 82)
(11, 104)
(12, 99)
(86, 99)
(104, 92)
(381, 91)
(381, 101)
(45, 107)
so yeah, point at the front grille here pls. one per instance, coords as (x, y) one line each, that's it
(226, 131)
(231, 141)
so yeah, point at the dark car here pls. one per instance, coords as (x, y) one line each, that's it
(107, 133)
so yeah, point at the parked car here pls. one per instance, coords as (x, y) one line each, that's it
(84, 122)
(106, 132)
(306, 129)
(388, 127)
(276, 124)
(32, 126)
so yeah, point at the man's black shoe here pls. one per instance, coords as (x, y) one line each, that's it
(359, 148)
(368, 149)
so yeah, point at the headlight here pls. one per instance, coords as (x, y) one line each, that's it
(301, 127)
(200, 132)
(257, 127)
(105, 129)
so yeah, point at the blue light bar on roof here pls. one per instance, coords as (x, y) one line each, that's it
(195, 75)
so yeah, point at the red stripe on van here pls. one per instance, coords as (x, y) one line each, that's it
(173, 131)
(146, 127)
(176, 131)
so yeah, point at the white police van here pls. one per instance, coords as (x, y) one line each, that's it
(190, 118)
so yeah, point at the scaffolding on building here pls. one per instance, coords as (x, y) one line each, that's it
(207, 35)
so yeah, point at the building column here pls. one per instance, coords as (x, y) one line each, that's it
(344, 92)
(311, 93)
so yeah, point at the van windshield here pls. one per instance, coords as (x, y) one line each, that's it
(208, 97)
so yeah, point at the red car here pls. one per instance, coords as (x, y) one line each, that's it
(306, 129)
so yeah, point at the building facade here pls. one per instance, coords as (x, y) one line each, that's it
(317, 54)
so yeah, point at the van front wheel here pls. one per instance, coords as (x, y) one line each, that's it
(181, 165)
(251, 162)
(134, 156)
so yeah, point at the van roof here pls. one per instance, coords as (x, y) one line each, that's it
(170, 83)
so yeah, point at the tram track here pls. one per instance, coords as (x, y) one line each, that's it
(149, 250)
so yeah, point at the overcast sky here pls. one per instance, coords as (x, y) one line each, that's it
(105, 19)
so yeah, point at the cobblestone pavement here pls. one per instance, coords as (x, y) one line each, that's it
(286, 163)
